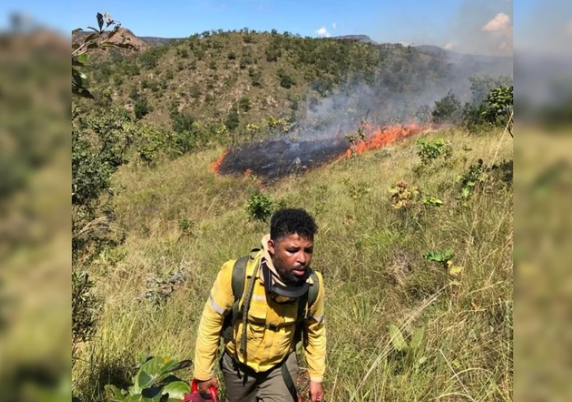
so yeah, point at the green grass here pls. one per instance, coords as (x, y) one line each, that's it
(371, 257)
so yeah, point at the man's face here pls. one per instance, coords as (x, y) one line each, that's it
(291, 257)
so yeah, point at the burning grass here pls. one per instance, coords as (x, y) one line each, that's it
(273, 159)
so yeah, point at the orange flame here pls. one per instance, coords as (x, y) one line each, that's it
(374, 138)
(215, 166)
(380, 137)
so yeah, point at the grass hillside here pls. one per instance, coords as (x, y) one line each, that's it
(415, 239)
(384, 256)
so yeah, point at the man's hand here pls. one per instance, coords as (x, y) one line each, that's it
(204, 386)
(316, 392)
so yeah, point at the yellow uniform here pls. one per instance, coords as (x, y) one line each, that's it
(265, 347)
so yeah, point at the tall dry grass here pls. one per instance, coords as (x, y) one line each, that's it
(371, 257)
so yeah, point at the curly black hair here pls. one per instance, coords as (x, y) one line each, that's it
(289, 220)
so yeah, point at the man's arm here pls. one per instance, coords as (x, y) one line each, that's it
(315, 349)
(220, 301)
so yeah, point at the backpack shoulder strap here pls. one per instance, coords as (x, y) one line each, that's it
(308, 299)
(238, 274)
(238, 280)
(313, 290)
(304, 305)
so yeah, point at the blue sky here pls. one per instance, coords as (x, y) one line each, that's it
(456, 23)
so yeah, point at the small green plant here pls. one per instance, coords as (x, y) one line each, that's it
(259, 206)
(479, 175)
(445, 258)
(356, 138)
(403, 196)
(411, 352)
(84, 306)
(432, 201)
(185, 226)
(431, 151)
(475, 175)
(356, 190)
(153, 382)
(244, 104)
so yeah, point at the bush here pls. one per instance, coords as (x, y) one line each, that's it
(232, 120)
(447, 110)
(154, 378)
(404, 196)
(244, 104)
(141, 108)
(498, 105)
(430, 151)
(195, 91)
(286, 81)
(255, 76)
(259, 207)
(181, 121)
(182, 52)
(272, 54)
(84, 306)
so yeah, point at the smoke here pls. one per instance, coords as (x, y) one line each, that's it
(400, 96)
(482, 27)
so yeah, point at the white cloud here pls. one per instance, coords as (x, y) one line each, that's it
(323, 32)
(449, 46)
(334, 25)
(500, 24)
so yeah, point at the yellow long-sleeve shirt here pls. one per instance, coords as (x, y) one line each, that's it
(264, 347)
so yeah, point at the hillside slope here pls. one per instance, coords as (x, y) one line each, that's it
(234, 85)
(182, 222)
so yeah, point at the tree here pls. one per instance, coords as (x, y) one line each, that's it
(481, 85)
(232, 120)
(100, 39)
(141, 108)
(98, 146)
(499, 104)
(447, 110)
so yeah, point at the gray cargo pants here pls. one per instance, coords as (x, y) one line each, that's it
(244, 384)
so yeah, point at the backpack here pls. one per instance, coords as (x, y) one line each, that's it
(237, 312)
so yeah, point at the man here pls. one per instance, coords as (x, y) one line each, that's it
(259, 358)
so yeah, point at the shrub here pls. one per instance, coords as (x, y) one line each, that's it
(181, 121)
(84, 305)
(244, 104)
(141, 108)
(153, 381)
(404, 196)
(447, 110)
(259, 207)
(232, 120)
(430, 151)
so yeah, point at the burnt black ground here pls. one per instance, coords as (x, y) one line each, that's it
(272, 160)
